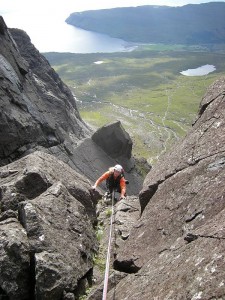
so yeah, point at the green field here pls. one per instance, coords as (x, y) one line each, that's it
(143, 89)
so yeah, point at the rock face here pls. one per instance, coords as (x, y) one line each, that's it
(169, 245)
(38, 112)
(178, 243)
(47, 229)
(37, 108)
(49, 160)
(117, 144)
(114, 141)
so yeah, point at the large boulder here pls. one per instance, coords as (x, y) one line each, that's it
(178, 243)
(47, 225)
(114, 140)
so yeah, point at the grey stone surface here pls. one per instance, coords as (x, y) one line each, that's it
(114, 140)
(179, 241)
(168, 245)
(37, 108)
(55, 240)
(14, 261)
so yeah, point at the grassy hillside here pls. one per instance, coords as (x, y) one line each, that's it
(143, 89)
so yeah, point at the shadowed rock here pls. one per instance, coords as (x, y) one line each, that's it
(54, 243)
(15, 281)
(37, 108)
(114, 140)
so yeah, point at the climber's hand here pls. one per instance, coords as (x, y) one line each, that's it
(94, 187)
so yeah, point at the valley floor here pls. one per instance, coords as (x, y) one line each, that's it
(143, 89)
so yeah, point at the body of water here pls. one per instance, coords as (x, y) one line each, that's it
(67, 38)
(51, 33)
(203, 70)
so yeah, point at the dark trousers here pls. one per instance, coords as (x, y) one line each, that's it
(112, 186)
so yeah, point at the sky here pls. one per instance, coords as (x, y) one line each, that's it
(37, 16)
(16, 12)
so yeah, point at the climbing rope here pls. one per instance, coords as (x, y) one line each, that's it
(106, 278)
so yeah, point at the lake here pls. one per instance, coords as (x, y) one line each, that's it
(200, 71)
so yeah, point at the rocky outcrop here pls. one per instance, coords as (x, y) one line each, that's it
(117, 144)
(114, 140)
(37, 108)
(179, 241)
(47, 229)
(94, 158)
(47, 208)
(92, 161)
(204, 141)
(168, 246)
(38, 112)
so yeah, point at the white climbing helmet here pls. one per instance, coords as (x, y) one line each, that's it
(118, 168)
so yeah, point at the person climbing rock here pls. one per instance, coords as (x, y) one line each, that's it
(114, 181)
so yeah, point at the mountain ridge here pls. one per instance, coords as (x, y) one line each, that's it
(189, 24)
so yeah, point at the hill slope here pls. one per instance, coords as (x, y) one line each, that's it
(189, 24)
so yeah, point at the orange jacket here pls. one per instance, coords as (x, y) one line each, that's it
(109, 173)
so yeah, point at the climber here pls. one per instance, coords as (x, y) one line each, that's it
(114, 181)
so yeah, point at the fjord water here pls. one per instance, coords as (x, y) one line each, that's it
(67, 38)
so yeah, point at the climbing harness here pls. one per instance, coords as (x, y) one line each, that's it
(106, 278)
